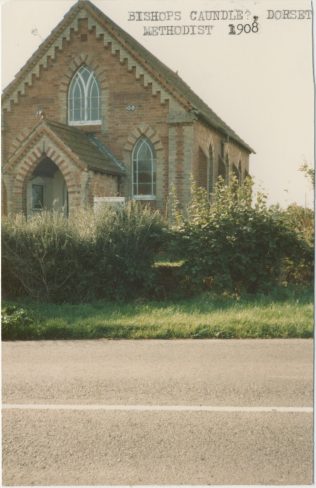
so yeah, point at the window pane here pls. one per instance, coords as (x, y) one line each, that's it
(143, 169)
(37, 197)
(84, 97)
(85, 74)
(76, 100)
(77, 108)
(76, 115)
(93, 101)
(144, 152)
(94, 93)
(144, 189)
(145, 177)
(144, 165)
(77, 103)
(77, 90)
(94, 109)
(94, 114)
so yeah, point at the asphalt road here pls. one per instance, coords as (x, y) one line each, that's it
(155, 412)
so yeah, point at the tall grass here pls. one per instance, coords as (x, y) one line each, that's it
(283, 313)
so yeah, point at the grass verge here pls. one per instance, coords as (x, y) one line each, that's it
(284, 313)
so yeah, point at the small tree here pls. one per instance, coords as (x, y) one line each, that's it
(309, 172)
(232, 244)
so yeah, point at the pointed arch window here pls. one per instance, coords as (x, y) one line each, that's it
(210, 170)
(144, 170)
(222, 169)
(235, 172)
(240, 172)
(84, 98)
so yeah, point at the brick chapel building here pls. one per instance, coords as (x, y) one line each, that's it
(94, 114)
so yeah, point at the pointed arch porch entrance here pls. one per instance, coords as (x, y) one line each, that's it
(46, 189)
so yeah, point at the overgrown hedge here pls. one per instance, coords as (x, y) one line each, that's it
(108, 255)
(300, 269)
(234, 245)
(229, 244)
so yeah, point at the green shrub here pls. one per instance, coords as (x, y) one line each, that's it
(126, 242)
(168, 281)
(109, 255)
(15, 322)
(11, 285)
(231, 244)
(43, 255)
(301, 221)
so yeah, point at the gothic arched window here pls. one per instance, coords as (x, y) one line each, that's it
(84, 98)
(210, 176)
(240, 172)
(144, 169)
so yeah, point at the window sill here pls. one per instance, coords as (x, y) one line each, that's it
(85, 122)
(144, 197)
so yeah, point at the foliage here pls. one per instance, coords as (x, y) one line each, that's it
(226, 244)
(309, 172)
(15, 322)
(43, 254)
(11, 285)
(126, 243)
(300, 220)
(167, 280)
(106, 256)
(282, 312)
(231, 244)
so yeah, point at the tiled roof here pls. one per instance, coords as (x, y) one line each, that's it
(162, 73)
(88, 148)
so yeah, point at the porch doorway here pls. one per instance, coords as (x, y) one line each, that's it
(46, 189)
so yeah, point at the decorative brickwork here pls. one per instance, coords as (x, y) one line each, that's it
(27, 163)
(92, 62)
(139, 96)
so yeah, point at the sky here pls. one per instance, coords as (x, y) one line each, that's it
(259, 83)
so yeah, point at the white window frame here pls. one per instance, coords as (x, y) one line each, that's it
(85, 89)
(136, 150)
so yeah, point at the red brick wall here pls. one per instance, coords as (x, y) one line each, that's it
(102, 185)
(202, 172)
(119, 88)
(204, 137)
(122, 89)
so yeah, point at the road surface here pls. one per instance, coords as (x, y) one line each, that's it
(157, 412)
